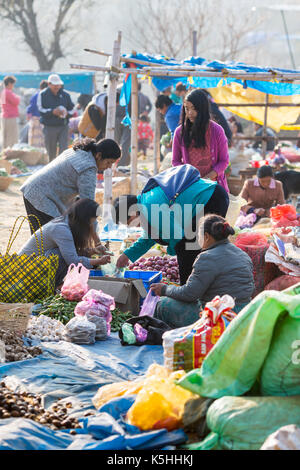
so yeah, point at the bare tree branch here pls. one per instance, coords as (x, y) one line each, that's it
(22, 14)
(166, 27)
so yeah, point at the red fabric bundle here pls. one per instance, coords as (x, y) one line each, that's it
(255, 245)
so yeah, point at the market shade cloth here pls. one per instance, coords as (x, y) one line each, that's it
(74, 373)
(278, 118)
(273, 87)
(79, 82)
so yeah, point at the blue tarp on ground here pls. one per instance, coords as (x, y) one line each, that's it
(79, 82)
(70, 372)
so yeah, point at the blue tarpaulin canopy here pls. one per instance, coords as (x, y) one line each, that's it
(273, 86)
(79, 82)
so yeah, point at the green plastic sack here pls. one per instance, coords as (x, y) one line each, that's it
(281, 370)
(244, 423)
(234, 365)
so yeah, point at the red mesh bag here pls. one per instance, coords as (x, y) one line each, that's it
(255, 245)
(284, 216)
(283, 282)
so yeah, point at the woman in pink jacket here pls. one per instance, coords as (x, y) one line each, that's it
(10, 112)
(200, 141)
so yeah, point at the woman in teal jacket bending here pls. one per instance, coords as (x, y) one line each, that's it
(168, 209)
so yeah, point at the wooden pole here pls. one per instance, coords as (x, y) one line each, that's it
(134, 133)
(264, 142)
(174, 71)
(194, 43)
(156, 143)
(110, 125)
(181, 72)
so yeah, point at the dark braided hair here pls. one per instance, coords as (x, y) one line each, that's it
(216, 226)
(108, 147)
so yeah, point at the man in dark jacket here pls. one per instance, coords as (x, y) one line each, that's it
(56, 107)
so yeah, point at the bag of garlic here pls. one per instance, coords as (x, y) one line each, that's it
(44, 328)
(80, 331)
(101, 327)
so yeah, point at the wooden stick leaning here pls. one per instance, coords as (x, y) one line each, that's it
(110, 125)
(134, 133)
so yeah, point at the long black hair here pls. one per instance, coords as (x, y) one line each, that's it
(79, 218)
(108, 147)
(216, 226)
(195, 132)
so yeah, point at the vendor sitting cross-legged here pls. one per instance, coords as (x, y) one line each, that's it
(220, 268)
(262, 193)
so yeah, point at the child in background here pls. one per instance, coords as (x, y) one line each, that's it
(145, 134)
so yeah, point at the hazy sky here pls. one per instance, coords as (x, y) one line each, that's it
(98, 29)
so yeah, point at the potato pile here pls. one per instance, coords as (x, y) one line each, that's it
(15, 350)
(28, 405)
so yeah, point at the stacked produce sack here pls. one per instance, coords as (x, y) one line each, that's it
(92, 318)
(258, 355)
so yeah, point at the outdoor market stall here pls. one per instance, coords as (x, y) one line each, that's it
(68, 383)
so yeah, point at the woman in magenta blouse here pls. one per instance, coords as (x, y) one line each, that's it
(200, 141)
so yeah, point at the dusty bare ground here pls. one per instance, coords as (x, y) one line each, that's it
(11, 206)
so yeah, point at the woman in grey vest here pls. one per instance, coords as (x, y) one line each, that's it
(50, 191)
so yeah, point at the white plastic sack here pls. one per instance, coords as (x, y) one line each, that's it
(285, 438)
(234, 208)
(80, 331)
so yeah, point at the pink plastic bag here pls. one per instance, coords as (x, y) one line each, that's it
(101, 298)
(92, 308)
(149, 304)
(76, 282)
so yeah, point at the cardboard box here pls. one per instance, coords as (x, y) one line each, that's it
(126, 292)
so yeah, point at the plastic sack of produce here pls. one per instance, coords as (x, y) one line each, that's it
(234, 208)
(100, 297)
(283, 282)
(237, 362)
(101, 327)
(110, 391)
(160, 402)
(149, 304)
(118, 389)
(76, 282)
(90, 307)
(147, 330)
(244, 423)
(80, 331)
(255, 245)
(101, 304)
(286, 438)
(284, 216)
(185, 348)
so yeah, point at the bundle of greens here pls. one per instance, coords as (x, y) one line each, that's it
(56, 307)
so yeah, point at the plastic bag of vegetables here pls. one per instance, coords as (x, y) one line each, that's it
(80, 331)
(76, 283)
